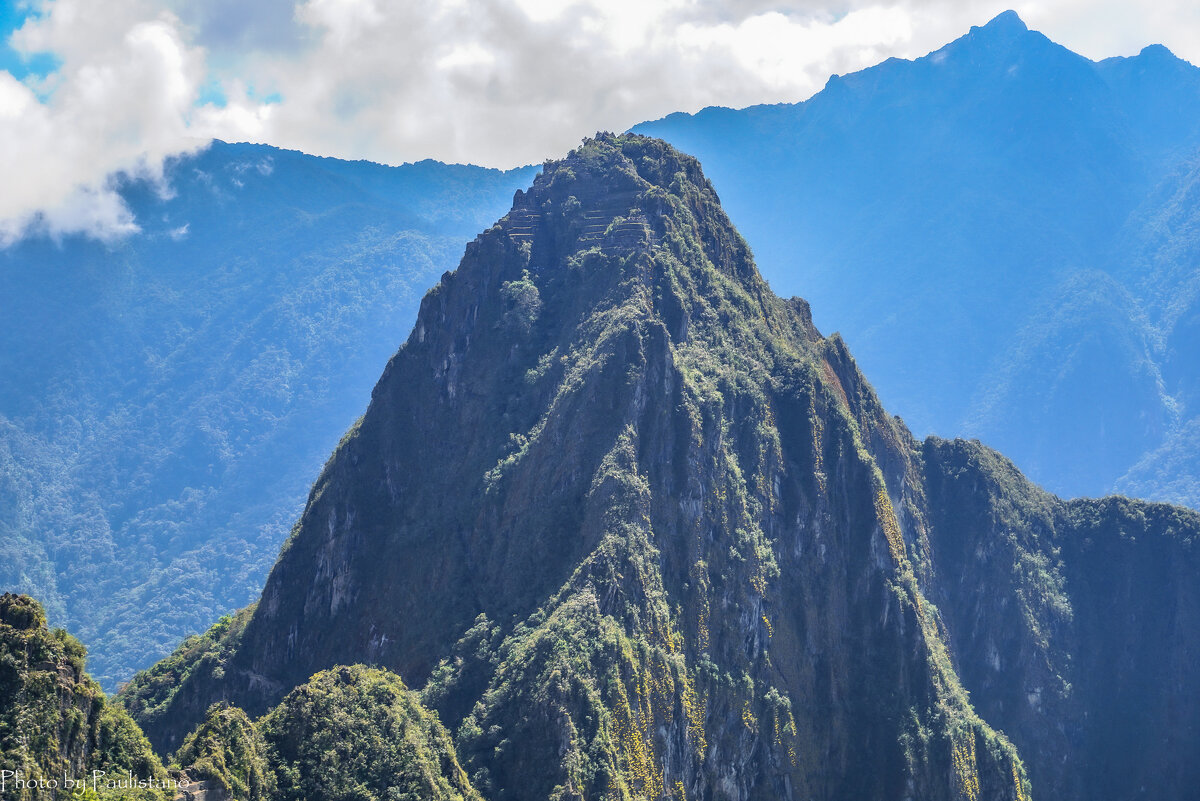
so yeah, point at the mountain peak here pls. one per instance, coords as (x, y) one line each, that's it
(1161, 54)
(999, 35)
(619, 193)
(606, 437)
(1156, 55)
(1008, 23)
(622, 163)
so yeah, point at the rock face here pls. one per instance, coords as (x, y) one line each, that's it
(1073, 624)
(195, 789)
(640, 531)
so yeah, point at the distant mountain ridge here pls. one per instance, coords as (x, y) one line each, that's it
(990, 227)
(166, 400)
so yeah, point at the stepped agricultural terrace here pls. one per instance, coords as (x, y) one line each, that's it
(615, 222)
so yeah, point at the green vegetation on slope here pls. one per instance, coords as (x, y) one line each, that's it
(228, 752)
(55, 723)
(350, 734)
(152, 693)
(358, 734)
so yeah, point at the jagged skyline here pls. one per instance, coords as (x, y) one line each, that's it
(89, 90)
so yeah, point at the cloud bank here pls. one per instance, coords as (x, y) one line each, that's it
(500, 82)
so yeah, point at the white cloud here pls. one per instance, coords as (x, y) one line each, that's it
(122, 100)
(499, 83)
(793, 57)
(1102, 28)
(514, 81)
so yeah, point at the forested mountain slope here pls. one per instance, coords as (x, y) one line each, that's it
(352, 734)
(166, 400)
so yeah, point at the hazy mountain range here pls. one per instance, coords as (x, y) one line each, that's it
(165, 401)
(1004, 231)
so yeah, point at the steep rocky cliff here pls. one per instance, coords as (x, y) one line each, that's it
(639, 531)
(1074, 625)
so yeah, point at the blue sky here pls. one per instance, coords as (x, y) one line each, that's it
(12, 16)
